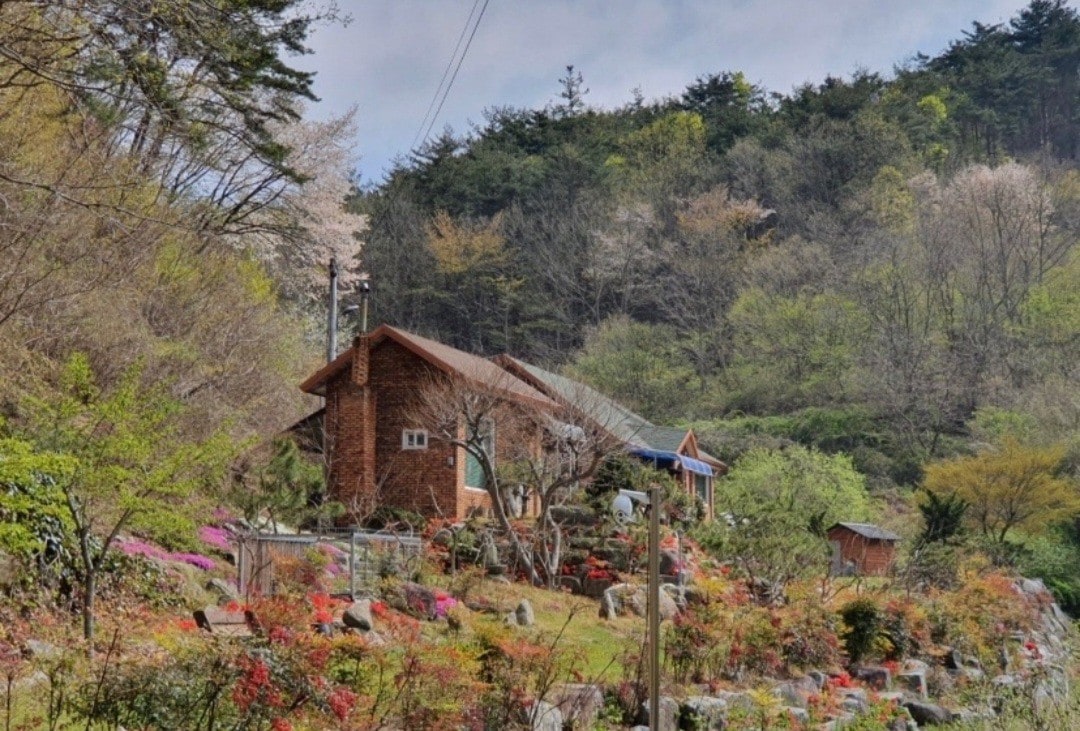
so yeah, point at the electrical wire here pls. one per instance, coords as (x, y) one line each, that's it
(457, 68)
(446, 72)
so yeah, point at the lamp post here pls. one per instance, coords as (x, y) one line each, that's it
(623, 508)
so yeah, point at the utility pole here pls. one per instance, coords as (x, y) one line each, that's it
(654, 608)
(331, 317)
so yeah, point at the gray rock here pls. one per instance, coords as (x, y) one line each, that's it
(667, 715)
(855, 704)
(703, 713)
(878, 678)
(524, 614)
(928, 714)
(818, 677)
(545, 717)
(801, 715)
(670, 563)
(580, 703)
(358, 616)
(736, 699)
(225, 590)
(43, 650)
(914, 682)
(791, 694)
(631, 598)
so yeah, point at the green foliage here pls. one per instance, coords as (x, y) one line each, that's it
(943, 517)
(1014, 486)
(774, 507)
(637, 365)
(286, 486)
(128, 459)
(863, 622)
(34, 521)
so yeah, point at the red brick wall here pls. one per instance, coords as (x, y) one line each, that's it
(365, 421)
(871, 557)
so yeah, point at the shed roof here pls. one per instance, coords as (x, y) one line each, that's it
(868, 530)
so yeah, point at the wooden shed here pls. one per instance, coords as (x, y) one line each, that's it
(862, 548)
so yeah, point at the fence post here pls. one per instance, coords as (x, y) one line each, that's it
(352, 565)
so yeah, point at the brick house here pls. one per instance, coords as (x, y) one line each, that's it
(377, 454)
(672, 449)
(862, 548)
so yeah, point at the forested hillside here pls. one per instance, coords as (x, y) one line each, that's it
(883, 263)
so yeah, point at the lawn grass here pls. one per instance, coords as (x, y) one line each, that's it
(575, 620)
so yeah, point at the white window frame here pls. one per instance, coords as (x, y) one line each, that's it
(414, 439)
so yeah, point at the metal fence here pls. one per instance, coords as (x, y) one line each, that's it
(344, 563)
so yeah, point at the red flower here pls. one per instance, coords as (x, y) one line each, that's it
(280, 724)
(341, 702)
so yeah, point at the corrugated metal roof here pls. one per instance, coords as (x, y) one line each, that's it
(868, 530)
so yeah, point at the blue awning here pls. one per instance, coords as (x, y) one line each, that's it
(673, 461)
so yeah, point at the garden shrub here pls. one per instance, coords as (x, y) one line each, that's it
(863, 625)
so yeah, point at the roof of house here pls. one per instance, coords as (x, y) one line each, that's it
(609, 414)
(633, 429)
(473, 368)
(867, 530)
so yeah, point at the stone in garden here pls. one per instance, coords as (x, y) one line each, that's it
(914, 682)
(704, 713)
(358, 615)
(524, 614)
(928, 714)
(791, 694)
(580, 703)
(818, 677)
(546, 717)
(800, 715)
(225, 590)
(877, 677)
(668, 715)
(42, 649)
(670, 563)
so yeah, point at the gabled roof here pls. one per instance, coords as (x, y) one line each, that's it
(452, 361)
(606, 413)
(868, 530)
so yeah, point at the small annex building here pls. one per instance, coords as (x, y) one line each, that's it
(862, 549)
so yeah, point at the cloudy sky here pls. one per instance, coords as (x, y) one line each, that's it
(388, 61)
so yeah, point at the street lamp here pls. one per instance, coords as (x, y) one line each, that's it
(623, 509)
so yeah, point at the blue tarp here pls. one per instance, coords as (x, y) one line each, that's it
(673, 461)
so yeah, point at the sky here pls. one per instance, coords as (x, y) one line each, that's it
(388, 61)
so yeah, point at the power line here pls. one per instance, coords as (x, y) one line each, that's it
(457, 68)
(446, 71)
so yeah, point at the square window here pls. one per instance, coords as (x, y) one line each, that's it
(414, 439)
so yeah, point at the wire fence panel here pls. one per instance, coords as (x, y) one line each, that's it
(345, 563)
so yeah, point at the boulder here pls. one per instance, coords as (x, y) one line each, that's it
(545, 717)
(224, 590)
(914, 682)
(800, 715)
(928, 714)
(633, 599)
(667, 714)
(412, 599)
(875, 676)
(670, 563)
(703, 713)
(571, 584)
(358, 615)
(524, 615)
(43, 650)
(580, 703)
